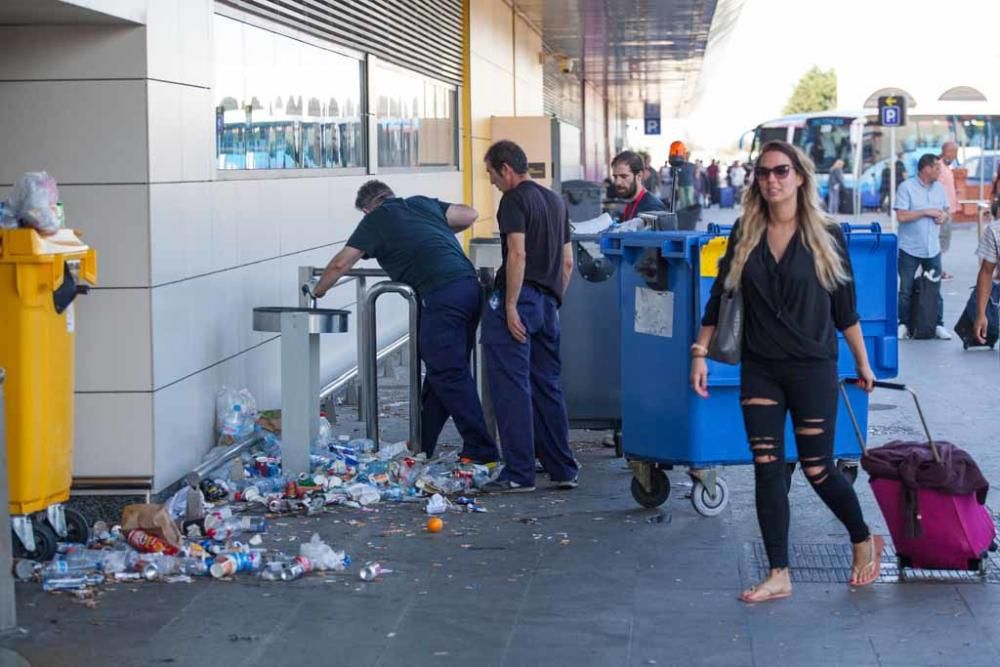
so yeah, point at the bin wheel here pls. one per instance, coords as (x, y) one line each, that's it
(619, 452)
(77, 527)
(849, 469)
(45, 543)
(657, 495)
(703, 502)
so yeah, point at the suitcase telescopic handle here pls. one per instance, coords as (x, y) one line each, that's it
(895, 386)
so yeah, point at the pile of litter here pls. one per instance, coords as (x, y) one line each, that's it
(216, 530)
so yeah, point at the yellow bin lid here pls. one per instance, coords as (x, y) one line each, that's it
(25, 245)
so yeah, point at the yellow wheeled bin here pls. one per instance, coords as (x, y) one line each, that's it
(40, 276)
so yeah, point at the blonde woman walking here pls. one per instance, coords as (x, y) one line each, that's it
(790, 261)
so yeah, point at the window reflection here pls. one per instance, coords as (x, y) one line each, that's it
(282, 103)
(416, 119)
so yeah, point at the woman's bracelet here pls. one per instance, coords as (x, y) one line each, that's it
(697, 347)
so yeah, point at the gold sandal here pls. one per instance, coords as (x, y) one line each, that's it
(873, 568)
(763, 593)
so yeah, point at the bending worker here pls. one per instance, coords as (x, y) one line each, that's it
(413, 240)
(521, 326)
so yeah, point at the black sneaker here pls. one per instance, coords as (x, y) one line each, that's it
(505, 486)
(568, 484)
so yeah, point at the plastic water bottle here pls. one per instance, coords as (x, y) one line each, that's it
(362, 445)
(233, 422)
(70, 582)
(324, 437)
(222, 531)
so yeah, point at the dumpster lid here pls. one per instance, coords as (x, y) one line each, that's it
(26, 242)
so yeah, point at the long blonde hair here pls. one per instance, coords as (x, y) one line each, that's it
(813, 222)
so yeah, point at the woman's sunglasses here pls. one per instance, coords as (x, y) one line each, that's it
(781, 171)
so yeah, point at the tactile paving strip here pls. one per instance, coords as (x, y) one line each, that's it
(831, 563)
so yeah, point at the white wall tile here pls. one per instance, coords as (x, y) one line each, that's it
(258, 215)
(166, 132)
(114, 435)
(197, 142)
(72, 52)
(180, 217)
(114, 219)
(179, 41)
(113, 350)
(181, 133)
(227, 200)
(80, 132)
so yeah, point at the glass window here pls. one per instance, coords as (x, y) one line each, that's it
(416, 119)
(826, 140)
(282, 103)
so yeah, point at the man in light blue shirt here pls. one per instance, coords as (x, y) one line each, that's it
(921, 209)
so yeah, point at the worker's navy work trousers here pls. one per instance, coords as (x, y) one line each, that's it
(449, 316)
(524, 385)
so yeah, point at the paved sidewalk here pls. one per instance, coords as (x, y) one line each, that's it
(582, 577)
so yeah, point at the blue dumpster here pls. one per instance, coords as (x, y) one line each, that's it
(665, 279)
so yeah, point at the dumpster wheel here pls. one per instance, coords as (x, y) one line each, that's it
(77, 528)
(659, 489)
(704, 502)
(45, 542)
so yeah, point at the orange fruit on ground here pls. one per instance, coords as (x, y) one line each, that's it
(434, 525)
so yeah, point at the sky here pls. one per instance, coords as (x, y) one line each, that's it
(750, 76)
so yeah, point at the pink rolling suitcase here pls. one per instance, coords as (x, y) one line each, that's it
(949, 532)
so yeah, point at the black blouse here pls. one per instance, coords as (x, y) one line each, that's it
(788, 315)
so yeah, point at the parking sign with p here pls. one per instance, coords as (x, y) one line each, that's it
(892, 111)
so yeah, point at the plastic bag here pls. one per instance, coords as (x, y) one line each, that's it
(323, 556)
(34, 202)
(235, 415)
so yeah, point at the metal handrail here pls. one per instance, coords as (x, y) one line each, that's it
(360, 276)
(351, 374)
(369, 375)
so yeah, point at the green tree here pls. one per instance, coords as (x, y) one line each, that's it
(815, 91)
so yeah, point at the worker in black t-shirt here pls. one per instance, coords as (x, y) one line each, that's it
(626, 170)
(413, 239)
(520, 332)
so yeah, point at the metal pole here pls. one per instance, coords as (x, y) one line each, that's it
(982, 167)
(369, 375)
(892, 177)
(8, 611)
(859, 154)
(194, 477)
(361, 342)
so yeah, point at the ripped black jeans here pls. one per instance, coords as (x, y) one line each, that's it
(807, 389)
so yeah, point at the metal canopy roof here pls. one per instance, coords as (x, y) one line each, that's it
(646, 50)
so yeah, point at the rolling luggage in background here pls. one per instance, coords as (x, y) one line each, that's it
(727, 197)
(932, 496)
(968, 320)
(924, 305)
